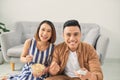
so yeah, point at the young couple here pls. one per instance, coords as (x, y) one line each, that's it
(62, 61)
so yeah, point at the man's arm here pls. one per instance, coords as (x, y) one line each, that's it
(94, 64)
(54, 67)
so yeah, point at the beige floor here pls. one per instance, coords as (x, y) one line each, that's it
(111, 69)
(5, 69)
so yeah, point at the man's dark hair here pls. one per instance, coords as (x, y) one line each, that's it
(71, 23)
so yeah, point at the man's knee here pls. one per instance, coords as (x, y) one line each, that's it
(53, 78)
(59, 77)
(50, 78)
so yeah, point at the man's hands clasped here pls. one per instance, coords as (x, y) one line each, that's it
(54, 68)
(87, 76)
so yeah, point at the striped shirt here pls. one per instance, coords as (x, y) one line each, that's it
(42, 57)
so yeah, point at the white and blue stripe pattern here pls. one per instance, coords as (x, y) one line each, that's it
(42, 57)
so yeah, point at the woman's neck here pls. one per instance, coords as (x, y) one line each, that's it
(42, 45)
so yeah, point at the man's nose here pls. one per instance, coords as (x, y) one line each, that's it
(72, 38)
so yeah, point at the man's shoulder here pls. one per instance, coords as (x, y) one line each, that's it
(63, 44)
(85, 44)
(60, 48)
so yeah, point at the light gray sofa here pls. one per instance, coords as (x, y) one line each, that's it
(12, 42)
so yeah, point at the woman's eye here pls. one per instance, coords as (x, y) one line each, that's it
(49, 31)
(43, 29)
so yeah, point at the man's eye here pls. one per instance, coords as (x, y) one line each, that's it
(68, 35)
(75, 34)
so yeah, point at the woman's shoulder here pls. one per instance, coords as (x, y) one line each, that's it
(28, 42)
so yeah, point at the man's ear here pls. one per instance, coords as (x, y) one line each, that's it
(63, 34)
(80, 34)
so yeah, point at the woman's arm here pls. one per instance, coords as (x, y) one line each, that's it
(24, 56)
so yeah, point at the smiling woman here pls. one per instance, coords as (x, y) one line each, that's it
(32, 53)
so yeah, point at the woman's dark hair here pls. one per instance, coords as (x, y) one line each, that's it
(71, 23)
(53, 36)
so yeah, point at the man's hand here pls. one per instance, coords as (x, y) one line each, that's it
(89, 75)
(54, 68)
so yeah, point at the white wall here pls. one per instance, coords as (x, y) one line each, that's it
(106, 13)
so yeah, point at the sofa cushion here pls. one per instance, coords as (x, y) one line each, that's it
(101, 47)
(92, 36)
(26, 29)
(15, 51)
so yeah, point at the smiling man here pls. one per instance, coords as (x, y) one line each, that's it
(73, 59)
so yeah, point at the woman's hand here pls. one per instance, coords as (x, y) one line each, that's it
(46, 70)
(29, 58)
(38, 74)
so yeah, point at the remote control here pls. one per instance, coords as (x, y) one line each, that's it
(82, 72)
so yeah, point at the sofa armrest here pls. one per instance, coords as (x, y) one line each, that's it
(101, 47)
(8, 40)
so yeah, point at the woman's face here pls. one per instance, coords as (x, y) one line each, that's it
(45, 32)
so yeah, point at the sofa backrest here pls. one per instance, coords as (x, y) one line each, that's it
(28, 29)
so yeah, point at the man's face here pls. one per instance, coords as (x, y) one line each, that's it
(72, 37)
